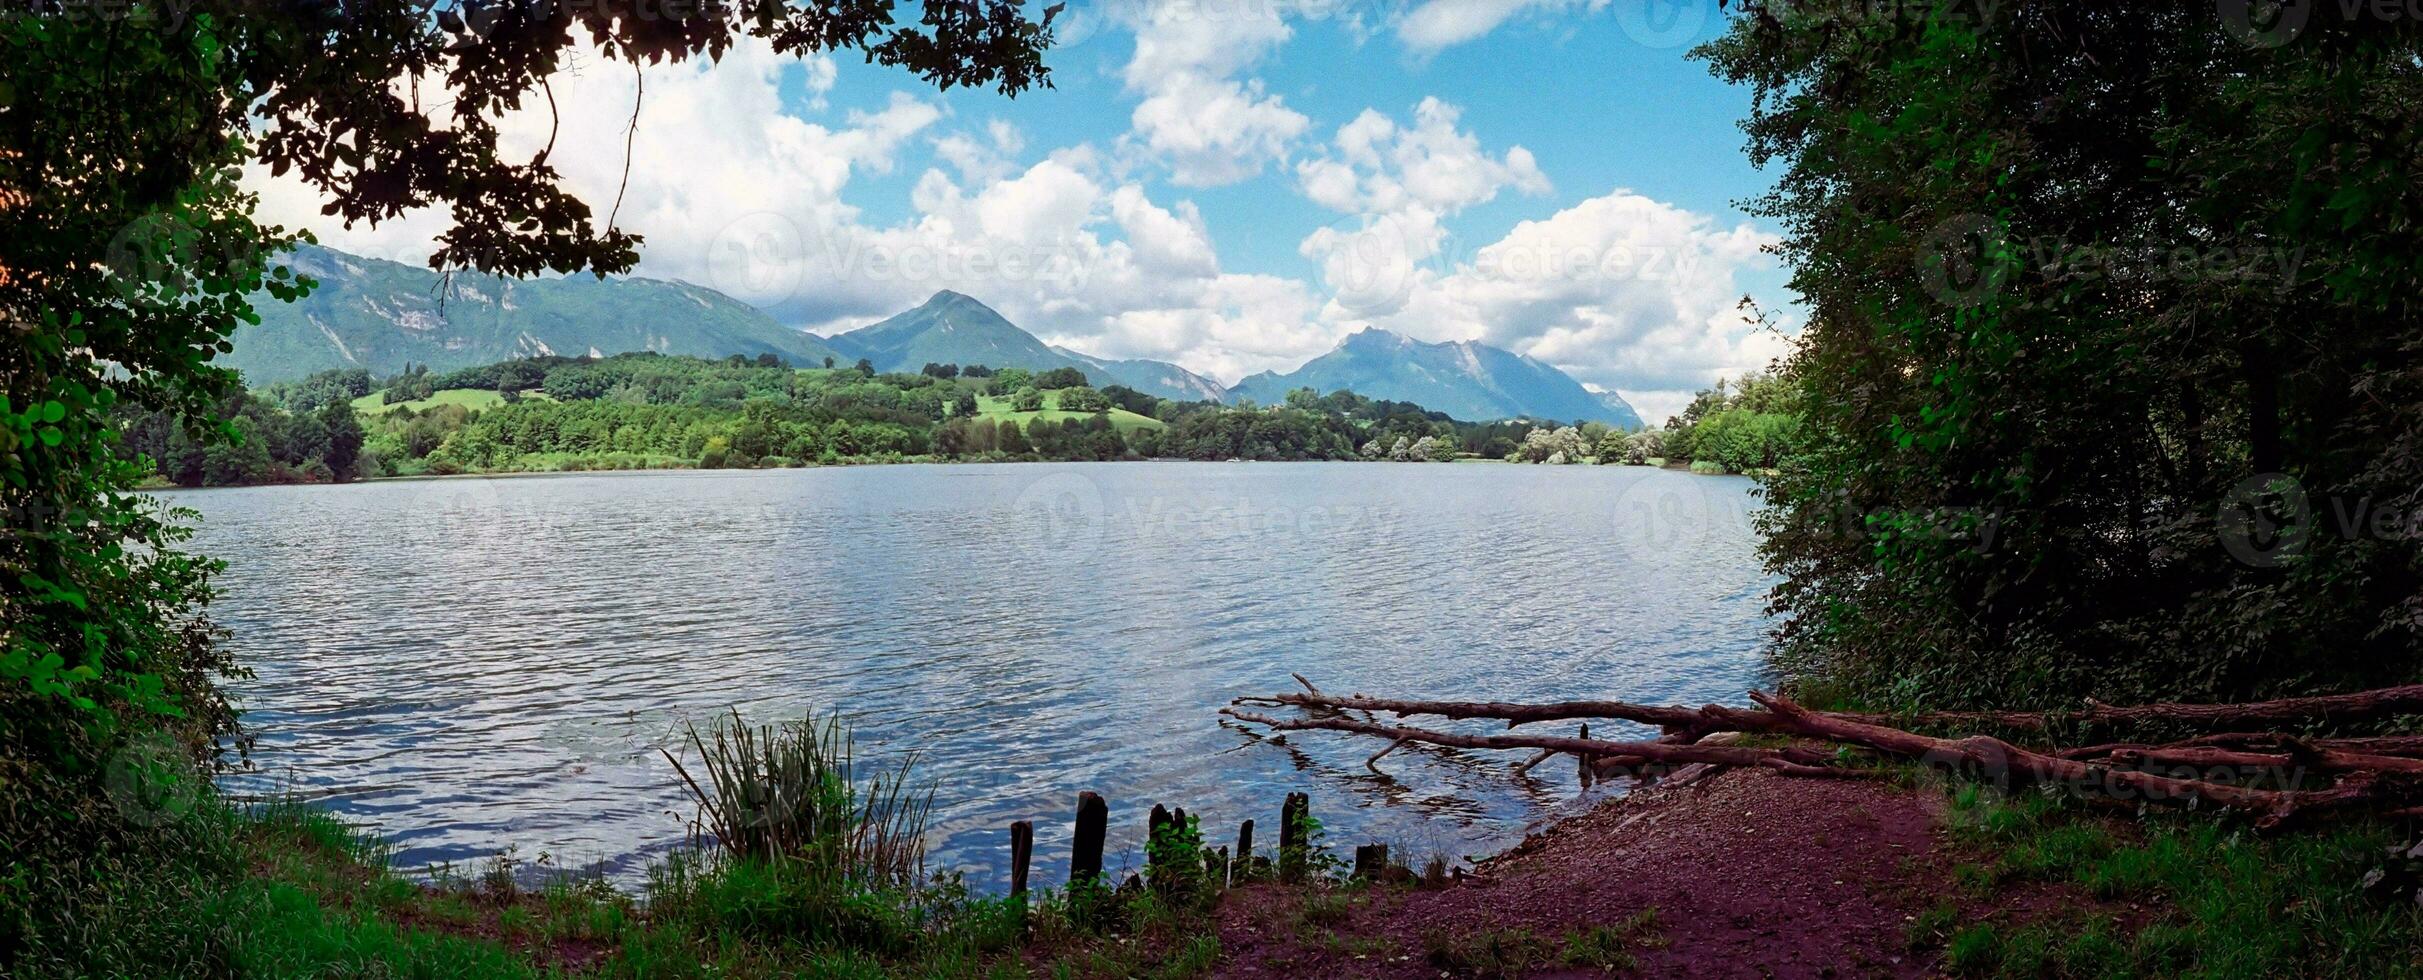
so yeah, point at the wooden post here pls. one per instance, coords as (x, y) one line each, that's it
(1371, 861)
(1588, 776)
(1292, 816)
(1243, 865)
(1093, 821)
(1154, 827)
(1022, 855)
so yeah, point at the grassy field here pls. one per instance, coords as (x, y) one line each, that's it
(472, 398)
(998, 409)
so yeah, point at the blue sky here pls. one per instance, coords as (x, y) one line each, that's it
(1233, 185)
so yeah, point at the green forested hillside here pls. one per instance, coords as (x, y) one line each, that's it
(637, 411)
(384, 316)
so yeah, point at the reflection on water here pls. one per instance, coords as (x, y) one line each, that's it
(468, 664)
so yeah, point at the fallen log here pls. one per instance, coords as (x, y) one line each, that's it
(1514, 713)
(1643, 752)
(2384, 746)
(2294, 756)
(2001, 761)
(2353, 706)
(1688, 723)
(2383, 773)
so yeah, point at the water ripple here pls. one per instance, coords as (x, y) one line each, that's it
(471, 664)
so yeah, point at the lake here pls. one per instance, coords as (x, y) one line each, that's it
(471, 664)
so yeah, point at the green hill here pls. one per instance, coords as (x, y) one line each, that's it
(998, 409)
(381, 315)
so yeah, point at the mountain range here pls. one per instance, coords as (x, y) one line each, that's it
(953, 328)
(1465, 379)
(381, 315)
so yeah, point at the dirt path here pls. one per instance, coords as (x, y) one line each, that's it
(1750, 875)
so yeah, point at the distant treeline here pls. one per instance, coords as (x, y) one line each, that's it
(647, 411)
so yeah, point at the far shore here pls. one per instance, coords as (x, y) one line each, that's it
(161, 486)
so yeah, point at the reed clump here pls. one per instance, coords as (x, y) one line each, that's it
(788, 794)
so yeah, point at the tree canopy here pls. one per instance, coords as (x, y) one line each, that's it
(2134, 288)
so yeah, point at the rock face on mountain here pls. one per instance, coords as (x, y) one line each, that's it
(1468, 380)
(954, 328)
(381, 315)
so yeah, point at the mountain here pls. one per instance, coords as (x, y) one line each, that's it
(1160, 379)
(371, 313)
(953, 328)
(1469, 381)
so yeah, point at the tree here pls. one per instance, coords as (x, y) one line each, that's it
(943, 371)
(866, 368)
(828, 362)
(964, 405)
(1027, 400)
(2090, 291)
(130, 256)
(344, 438)
(1012, 379)
(1060, 377)
(1012, 440)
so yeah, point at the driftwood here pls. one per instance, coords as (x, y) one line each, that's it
(1635, 752)
(2274, 778)
(2356, 706)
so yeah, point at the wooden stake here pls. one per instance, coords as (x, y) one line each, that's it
(1292, 817)
(1588, 775)
(1242, 866)
(1022, 855)
(1371, 861)
(1093, 822)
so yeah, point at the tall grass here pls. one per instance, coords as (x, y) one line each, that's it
(788, 794)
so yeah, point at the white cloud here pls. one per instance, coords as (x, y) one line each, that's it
(1376, 166)
(1215, 131)
(1208, 126)
(1402, 182)
(736, 190)
(1619, 290)
(1434, 25)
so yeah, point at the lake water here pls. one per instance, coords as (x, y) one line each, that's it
(472, 664)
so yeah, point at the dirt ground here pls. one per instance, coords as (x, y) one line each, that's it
(1749, 874)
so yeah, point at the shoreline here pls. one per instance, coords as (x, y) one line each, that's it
(151, 487)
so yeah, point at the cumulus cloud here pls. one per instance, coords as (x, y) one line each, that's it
(1208, 126)
(1620, 291)
(1400, 183)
